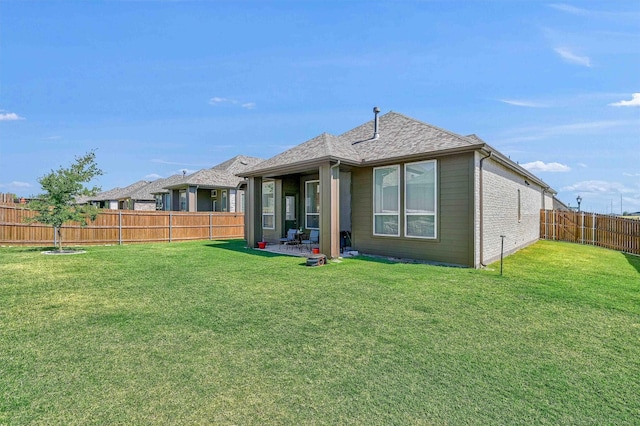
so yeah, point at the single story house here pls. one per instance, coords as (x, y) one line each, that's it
(398, 187)
(217, 189)
(150, 197)
(114, 199)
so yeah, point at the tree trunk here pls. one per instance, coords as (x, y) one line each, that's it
(59, 231)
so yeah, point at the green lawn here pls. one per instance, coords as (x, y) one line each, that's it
(212, 333)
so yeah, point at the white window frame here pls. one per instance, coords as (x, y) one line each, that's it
(273, 214)
(435, 202)
(306, 210)
(397, 214)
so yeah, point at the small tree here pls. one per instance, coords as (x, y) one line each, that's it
(58, 203)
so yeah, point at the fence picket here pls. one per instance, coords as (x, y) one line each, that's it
(606, 231)
(122, 227)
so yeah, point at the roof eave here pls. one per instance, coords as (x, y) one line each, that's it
(422, 155)
(507, 162)
(297, 167)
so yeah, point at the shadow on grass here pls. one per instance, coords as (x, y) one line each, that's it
(634, 260)
(240, 246)
(29, 249)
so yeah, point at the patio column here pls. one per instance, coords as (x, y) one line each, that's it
(330, 210)
(253, 212)
(192, 199)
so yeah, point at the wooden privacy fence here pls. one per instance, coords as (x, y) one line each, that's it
(590, 228)
(121, 227)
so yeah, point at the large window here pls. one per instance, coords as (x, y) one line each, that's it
(420, 199)
(312, 204)
(386, 201)
(268, 205)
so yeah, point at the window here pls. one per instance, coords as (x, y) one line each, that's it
(224, 200)
(312, 204)
(386, 201)
(158, 198)
(268, 205)
(420, 199)
(183, 200)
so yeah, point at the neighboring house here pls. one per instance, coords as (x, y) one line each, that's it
(401, 188)
(217, 189)
(150, 197)
(116, 198)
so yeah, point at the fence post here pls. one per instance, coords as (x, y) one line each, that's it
(119, 227)
(582, 228)
(593, 227)
(553, 225)
(210, 226)
(170, 217)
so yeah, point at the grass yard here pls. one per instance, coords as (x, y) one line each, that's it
(212, 333)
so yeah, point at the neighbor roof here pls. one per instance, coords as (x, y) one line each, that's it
(155, 187)
(222, 175)
(119, 193)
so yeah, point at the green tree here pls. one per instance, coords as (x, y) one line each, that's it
(62, 187)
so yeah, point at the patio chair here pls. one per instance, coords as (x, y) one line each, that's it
(291, 238)
(314, 238)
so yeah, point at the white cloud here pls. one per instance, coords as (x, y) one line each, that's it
(569, 9)
(527, 134)
(15, 184)
(520, 103)
(635, 101)
(632, 174)
(584, 166)
(595, 13)
(9, 116)
(598, 187)
(539, 166)
(153, 176)
(218, 101)
(572, 58)
(173, 163)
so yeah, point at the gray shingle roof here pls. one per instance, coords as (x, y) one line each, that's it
(156, 187)
(402, 136)
(222, 175)
(119, 193)
(399, 136)
(238, 164)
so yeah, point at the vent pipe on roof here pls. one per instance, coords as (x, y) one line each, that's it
(376, 135)
(376, 111)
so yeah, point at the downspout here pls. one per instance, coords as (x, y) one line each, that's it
(481, 207)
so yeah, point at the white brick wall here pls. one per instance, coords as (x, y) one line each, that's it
(500, 211)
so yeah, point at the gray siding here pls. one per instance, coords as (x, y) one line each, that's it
(455, 220)
(204, 200)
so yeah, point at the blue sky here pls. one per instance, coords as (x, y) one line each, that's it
(156, 87)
